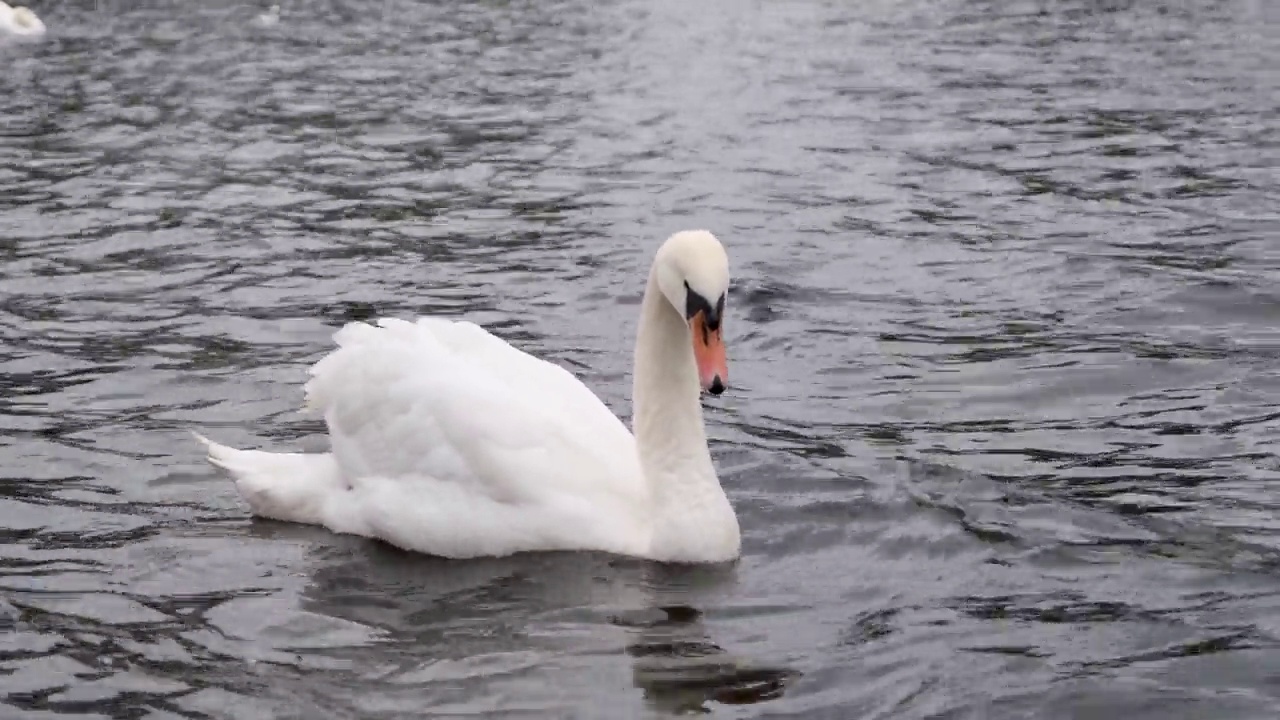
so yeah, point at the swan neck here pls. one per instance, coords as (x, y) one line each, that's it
(669, 431)
(692, 519)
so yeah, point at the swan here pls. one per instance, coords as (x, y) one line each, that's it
(447, 440)
(19, 21)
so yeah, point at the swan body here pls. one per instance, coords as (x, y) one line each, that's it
(19, 21)
(447, 440)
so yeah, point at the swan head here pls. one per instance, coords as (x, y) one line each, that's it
(692, 270)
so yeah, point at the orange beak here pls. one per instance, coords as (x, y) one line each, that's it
(708, 351)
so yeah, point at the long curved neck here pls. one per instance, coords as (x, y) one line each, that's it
(693, 518)
(666, 412)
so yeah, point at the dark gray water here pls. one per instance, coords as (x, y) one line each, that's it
(1004, 334)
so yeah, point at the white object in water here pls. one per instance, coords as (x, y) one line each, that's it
(270, 17)
(447, 440)
(19, 20)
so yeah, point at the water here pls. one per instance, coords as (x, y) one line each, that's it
(1002, 339)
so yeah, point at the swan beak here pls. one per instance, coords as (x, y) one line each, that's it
(708, 351)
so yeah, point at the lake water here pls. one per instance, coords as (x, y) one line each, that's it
(1004, 338)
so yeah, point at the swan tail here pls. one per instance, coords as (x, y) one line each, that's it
(293, 487)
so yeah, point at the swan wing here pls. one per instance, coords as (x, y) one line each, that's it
(445, 408)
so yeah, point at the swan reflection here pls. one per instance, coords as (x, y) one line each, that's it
(552, 628)
(681, 669)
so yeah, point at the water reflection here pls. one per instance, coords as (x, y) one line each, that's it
(454, 625)
(681, 669)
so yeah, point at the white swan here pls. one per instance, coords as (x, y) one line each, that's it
(446, 440)
(19, 21)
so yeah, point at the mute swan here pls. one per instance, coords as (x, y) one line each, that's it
(447, 440)
(19, 21)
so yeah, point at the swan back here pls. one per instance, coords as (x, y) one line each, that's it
(461, 444)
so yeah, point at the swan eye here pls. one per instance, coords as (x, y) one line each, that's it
(696, 303)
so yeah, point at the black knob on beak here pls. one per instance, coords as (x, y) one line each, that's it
(717, 386)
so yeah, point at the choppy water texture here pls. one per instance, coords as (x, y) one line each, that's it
(1003, 338)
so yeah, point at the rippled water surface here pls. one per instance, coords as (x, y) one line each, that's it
(1004, 336)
